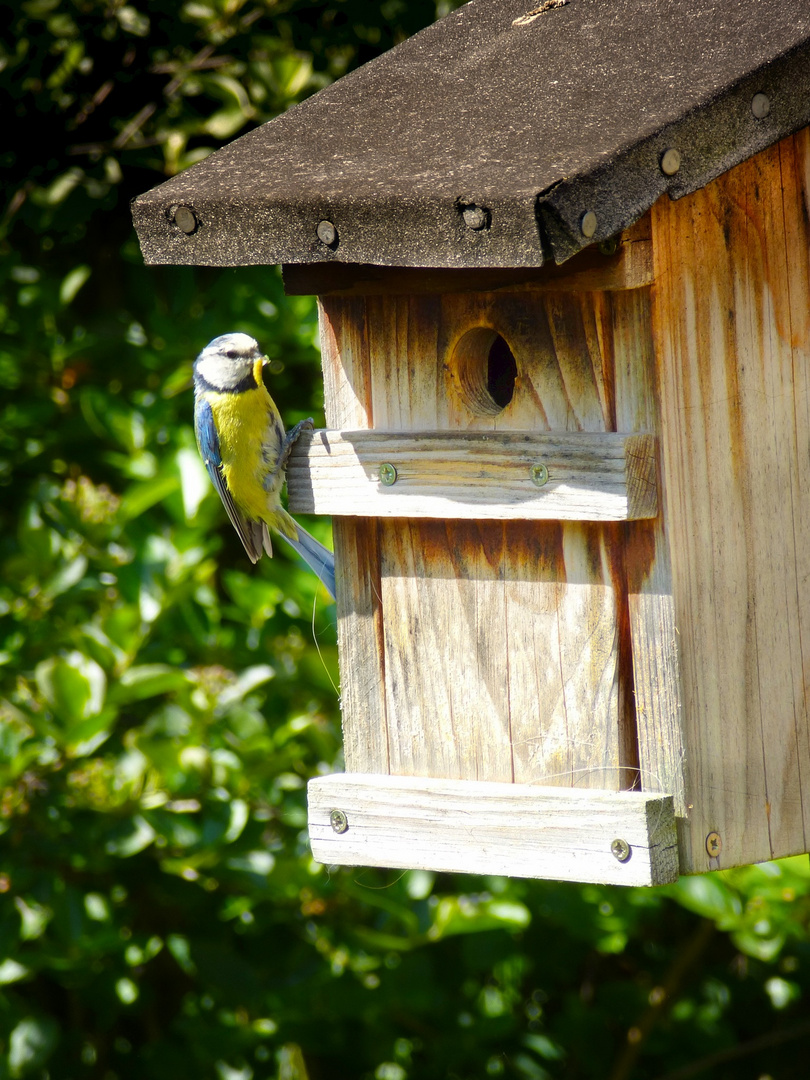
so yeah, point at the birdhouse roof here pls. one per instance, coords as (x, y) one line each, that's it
(508, 133)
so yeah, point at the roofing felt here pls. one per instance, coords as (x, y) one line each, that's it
(507, 133)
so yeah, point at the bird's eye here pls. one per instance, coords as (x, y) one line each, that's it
(231, 354)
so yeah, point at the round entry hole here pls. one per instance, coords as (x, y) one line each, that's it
(484, 370)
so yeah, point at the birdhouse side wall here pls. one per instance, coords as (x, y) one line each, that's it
(732, 339)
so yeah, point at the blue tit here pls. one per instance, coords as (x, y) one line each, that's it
(245, 449)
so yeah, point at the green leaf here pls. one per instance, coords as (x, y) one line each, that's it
(471, 915)
(73, 686)
(130, 837)
(147, 680)
(11, 971)
(139, 498)
(32, 1042)
(709, 896)
(72, 283)
(34, 918)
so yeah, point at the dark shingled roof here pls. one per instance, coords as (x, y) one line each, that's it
(502, 135)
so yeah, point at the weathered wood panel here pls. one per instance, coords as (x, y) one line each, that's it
(347, 382)
(656, 661)
(491, 828)
(599, 476)
(731, 304)
(465, 694)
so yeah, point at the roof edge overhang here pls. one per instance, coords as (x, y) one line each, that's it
(181, 222)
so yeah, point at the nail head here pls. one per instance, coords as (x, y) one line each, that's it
(388, 474)
(714, 845)
(670, 161)
(327, 233)
(760, 106)
(185, 219)
(621, 849)
(539, 474)
(339, 821)
(588, 223)
(475, 217)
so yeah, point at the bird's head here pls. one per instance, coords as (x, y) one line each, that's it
(227, 361)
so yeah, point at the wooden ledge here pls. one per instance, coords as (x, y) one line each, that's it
(584, 476)
(477, 827)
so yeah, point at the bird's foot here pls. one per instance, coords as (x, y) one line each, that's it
(291, 438)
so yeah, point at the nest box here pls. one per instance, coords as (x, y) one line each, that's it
(562, 256)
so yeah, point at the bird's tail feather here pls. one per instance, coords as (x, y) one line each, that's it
(319, 558)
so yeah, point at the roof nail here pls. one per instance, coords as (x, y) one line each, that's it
(588, 223)
(670, 161)
(760, 106)
(185, 219)
(327, 233)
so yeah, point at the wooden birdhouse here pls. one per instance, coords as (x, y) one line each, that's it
(562, 255)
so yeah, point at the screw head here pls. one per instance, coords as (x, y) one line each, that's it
(588, 223)
(621, 849)
(760, 106)
(339, 821)
(670, 161)
(714, 845)
(185, 219)
(539, 474)
(388, 474)
(475, 217)
(327, 233)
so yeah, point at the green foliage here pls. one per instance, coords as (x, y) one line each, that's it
(163, 702)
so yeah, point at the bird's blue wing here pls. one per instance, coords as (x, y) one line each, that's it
(251, 533)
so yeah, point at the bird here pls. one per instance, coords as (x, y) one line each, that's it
(243, 444)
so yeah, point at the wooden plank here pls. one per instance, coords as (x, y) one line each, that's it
(462, 599)
(589, 476)
(477, 827)
(347, 382)
(629, 268)
(651, 610)
(569, 712)
(733, 355)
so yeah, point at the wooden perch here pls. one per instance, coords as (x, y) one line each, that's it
(478, 827)
(582, 476)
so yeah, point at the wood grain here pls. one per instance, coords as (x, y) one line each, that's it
(731, 305)
(493, 828)
(347, 379)
(600, 476)
(651, 611)
(462, 600)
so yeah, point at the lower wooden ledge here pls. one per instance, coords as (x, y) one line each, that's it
(477, 827)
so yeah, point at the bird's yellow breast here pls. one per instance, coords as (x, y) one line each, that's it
(250, 433)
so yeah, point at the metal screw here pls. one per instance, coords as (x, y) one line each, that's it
(185, 219)
(475, 217)
(327, 233)
(539, 474)
(714, 845)
(588, 223)
(388, 474)
(609, 246)
(670, 161)
(339, 821)
(760, 106)
(621, 849)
